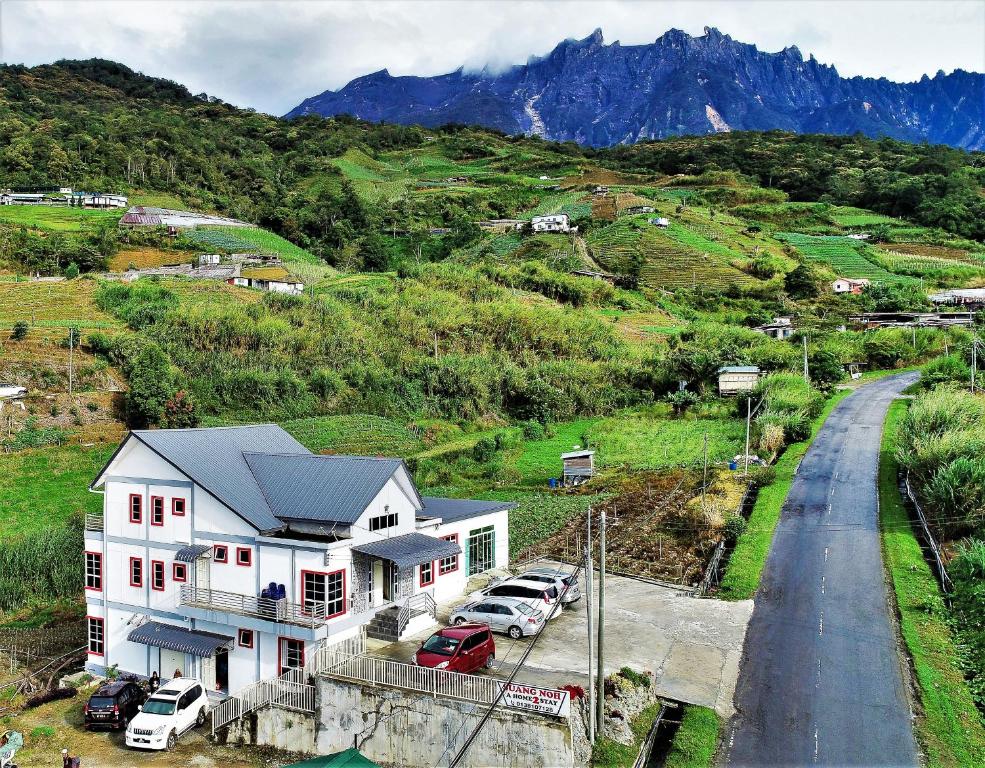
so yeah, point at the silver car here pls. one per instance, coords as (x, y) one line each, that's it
(560, 579)
(503, 614)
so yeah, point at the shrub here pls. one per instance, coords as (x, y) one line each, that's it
(682, 400)
(20, 330)
(533, 430)
(72, 271)
(639, 679)
(967, 572)
(484, 450)
(734, 526)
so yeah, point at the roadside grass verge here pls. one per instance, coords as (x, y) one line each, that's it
(607, 753)
(696, 741)
(950, 729)
(746, 564)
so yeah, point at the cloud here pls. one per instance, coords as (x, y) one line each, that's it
(271, 55)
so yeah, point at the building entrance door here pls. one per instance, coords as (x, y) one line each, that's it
(390, 581)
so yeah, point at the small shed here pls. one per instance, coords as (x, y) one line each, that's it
(733, 379)
(579, 466)
(781, 328)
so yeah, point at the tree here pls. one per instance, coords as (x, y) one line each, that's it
(826, 369)
(179, 411)
(374, 253)
(20, 330)
(151, 386)
(802, 282)
(72, 271)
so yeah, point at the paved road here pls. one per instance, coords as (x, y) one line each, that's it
(821, 680)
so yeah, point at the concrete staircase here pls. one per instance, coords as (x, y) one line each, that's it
(394, 623)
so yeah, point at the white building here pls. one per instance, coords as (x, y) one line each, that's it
(225, 553)
(733, 379)
(557, 222)
(849, 285)
(274, 279)
(781, 328)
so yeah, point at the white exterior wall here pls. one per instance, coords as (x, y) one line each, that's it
(450, 585)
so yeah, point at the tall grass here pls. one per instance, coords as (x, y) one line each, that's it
(42, 565)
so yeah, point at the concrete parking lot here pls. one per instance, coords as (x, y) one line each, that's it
(691, 645)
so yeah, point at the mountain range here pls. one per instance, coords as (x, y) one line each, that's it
(603, 94)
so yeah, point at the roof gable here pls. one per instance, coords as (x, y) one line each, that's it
(330, 489)
(214, 459)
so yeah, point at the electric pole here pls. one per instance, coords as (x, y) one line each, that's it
(745, 456)
(704, 481)
(974, 361)
(807, 375)
(71, 349)
(600, 681)
(590, 607)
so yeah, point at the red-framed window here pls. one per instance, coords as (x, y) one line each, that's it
(94, 571)
(157, 510)
(448, 564)
(136, 572)
(179, 572)
(136, 508)
(245, 638)
(157, 575)
(290, 654)
(427, 574)
(96, 635)
(178, 506)
(328, 588)
(244, 556)
(220, 553)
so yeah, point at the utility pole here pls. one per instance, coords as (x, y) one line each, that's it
(591, 609)
(807, 374)
(71, 349)
(704, 482)
(745, 456)
(600, 681)
(974, 361)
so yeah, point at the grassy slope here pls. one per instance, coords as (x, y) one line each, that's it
(950, 729)
(62, 473)
(747, 561)
(696, 740)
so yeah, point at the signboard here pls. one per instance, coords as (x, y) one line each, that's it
(546, 701)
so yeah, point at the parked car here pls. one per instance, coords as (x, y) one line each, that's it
(559, 579)
(113, 705)
(502, 614)
(534, 593)
(463, 648)
(178, 706)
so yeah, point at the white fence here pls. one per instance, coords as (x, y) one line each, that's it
(289, 691)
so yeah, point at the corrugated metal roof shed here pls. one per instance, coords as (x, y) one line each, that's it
(410, 549)
(450, 510)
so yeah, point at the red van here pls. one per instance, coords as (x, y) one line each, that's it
(464, 648)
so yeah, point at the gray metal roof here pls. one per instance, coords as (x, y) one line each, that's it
(178, 639)
(213, 458)
(191, 553)
(738, 369)
(410, 549)
(333, 489)
(450, 510)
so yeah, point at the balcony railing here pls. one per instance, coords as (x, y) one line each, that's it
(94, 522)
(311, 614)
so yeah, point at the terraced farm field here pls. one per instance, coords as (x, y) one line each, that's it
(358, 434)
(616, 246)
(841, 254)
(671, 265)
(846, 216)
(920, 266)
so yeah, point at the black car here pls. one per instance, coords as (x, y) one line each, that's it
(114, 705)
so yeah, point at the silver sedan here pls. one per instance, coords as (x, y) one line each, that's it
(503, 614)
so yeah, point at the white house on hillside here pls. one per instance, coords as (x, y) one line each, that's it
(557, 222)
(225, 553)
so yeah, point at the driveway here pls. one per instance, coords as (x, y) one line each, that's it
(691, 645)
(822, 680)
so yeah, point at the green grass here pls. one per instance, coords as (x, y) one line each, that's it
(539, 460)
(356, 434)
(950, 728)
(56, 219)
(696, 740)
(746, 564)
(44, 487)
(842, 254)
(654, 441)
(607, 753)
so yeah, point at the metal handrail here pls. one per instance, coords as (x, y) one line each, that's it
(311, 614)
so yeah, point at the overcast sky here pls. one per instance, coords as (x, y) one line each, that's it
(271, 55)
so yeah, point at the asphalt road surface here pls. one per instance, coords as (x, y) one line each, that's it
(821, 680)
